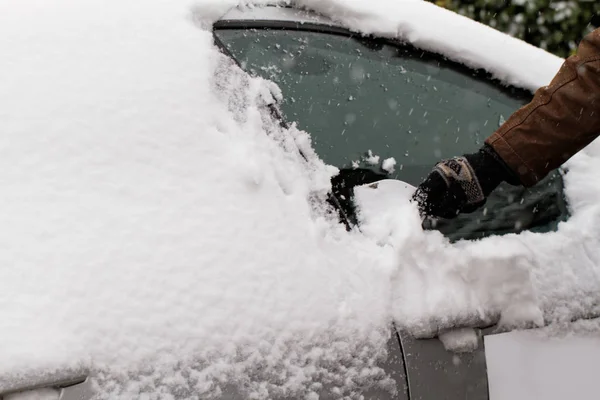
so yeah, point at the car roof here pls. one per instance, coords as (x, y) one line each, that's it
(510, 60)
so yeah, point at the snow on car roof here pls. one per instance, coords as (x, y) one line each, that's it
(426, 26)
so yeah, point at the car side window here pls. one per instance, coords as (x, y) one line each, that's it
(365, 101)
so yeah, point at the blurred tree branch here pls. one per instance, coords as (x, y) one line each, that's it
(556, 26)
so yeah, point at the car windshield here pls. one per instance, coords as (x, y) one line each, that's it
(378, 110)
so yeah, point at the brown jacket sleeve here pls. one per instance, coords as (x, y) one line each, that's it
(562, 118)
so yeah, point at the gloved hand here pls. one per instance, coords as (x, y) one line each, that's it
(462, 184)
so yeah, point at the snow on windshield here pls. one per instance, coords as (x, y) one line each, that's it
(161, 230)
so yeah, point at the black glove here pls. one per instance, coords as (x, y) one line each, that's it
(462, 184)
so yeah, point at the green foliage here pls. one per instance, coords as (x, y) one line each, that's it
(556, 26)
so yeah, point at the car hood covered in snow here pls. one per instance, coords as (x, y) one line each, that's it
(161, 231)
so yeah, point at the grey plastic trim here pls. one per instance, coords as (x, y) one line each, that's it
(61, 381)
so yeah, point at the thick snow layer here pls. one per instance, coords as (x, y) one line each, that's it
(161, 231)
(425, 26)
(155, 228)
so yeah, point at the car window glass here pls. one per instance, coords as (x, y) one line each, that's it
(364, 102)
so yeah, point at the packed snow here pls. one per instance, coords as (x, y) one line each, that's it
(389, 165)
(162, 231)
(461, 340)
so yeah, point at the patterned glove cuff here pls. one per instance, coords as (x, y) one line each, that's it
(458, 170)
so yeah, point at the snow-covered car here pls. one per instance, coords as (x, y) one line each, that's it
(175, 226)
